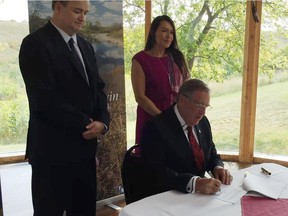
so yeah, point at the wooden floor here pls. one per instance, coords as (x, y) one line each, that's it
(107, 211)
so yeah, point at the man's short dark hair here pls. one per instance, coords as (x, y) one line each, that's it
(62, 2)
(190, 86)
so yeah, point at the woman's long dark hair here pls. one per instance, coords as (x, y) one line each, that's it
(173, 49)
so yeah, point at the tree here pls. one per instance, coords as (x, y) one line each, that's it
(133, 16)
(210, 33)
(133, 12)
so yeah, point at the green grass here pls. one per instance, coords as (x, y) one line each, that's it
(12, 149)
(271, 132)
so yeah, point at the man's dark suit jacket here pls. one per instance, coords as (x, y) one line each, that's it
(61, 102)
(168, 156)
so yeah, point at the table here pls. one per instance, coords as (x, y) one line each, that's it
(174, 203)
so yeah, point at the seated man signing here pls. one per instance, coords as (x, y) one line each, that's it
(177, 146)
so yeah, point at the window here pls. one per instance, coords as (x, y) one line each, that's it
(14, 111)
(271, 132)
(213, 44)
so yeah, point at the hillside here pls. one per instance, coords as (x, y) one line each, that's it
(11, 37)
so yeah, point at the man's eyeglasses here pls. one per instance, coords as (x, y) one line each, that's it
(199, 105)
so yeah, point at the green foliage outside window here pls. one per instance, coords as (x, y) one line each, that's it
(211, 35)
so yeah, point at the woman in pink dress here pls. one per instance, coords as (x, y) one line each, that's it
(157, 72)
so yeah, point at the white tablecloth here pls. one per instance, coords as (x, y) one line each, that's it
(173, 203)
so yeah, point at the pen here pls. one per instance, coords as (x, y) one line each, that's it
(212, 176)
(265, 171)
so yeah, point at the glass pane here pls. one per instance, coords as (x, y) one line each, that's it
(211, 36)
(134, 40)
(13, 101)
(271, 132)
(224, 116)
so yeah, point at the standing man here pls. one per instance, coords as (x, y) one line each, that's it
(177, 146)
(68, 110)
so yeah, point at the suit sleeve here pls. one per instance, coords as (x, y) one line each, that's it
(153, 151)
(44, 101)
(101, 112)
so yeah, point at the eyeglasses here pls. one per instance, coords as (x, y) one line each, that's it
(199, 105)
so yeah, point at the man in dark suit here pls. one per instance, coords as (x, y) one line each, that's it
(68, 110)
(177, 146)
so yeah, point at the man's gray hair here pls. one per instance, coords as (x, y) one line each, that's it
(190, 86)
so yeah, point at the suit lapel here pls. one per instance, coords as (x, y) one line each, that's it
(179, 141)
(86, 58)
(76, 62)
(183, 146)
(63, 47)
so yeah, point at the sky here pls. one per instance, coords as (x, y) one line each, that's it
(13, 10)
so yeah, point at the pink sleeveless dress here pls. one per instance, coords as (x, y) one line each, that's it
(158, 88)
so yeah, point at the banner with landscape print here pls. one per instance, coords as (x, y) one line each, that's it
(104, 29)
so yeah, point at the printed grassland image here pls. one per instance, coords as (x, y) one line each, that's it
(104, 29)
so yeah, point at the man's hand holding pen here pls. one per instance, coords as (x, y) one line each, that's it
(208, 185)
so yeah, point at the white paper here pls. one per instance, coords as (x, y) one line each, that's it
(266, 185)
(275, 169)
(230, 194)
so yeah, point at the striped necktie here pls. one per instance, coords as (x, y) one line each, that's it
(198, 153)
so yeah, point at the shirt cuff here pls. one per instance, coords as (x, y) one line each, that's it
(191, 186)
(105, 129)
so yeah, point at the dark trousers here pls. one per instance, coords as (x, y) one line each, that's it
(70, 188)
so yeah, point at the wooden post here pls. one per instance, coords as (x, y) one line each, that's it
(148, 15)
(250, 79)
